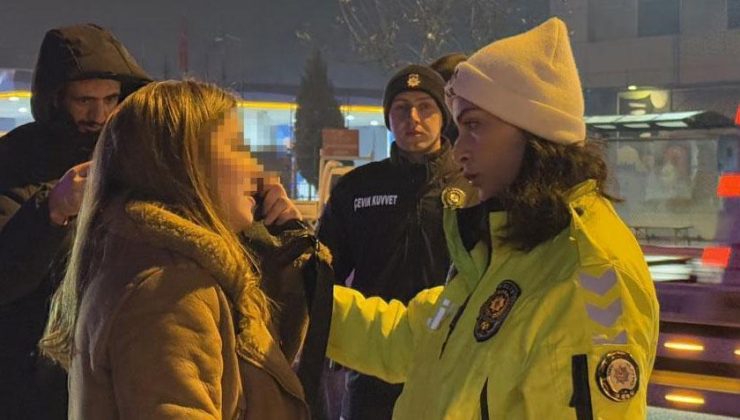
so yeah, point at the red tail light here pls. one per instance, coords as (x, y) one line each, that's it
(717, 256)
(729, 185)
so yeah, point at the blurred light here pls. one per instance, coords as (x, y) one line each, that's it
(685, 399)
(737, 352)
(373, 123)
(718, 256)
(361, 108)
(729, 185)
(23, 110)
(17, 93)
(268, 105)
(677, 345)
(289, 106)
(672, 124)
(631, 87)
(14, 99)
(350, 117)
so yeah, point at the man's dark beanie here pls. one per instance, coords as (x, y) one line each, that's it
(416, 78)
(446, 64)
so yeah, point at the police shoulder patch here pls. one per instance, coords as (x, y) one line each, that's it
(495, 309)
(618, 376)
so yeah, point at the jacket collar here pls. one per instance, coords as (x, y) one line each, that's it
(436, 164)
(155, 224)
(468, 227)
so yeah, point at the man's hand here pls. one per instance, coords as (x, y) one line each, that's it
(66, 196)
(277, 207)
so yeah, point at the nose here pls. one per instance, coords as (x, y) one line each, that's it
(460, 151)
(414, 114)
(97, 112)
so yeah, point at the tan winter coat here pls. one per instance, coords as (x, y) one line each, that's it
(160, 335)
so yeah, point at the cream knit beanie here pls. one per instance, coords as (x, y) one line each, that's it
(529, 80)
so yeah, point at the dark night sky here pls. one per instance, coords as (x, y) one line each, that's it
(261, 46)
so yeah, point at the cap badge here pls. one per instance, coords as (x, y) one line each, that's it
(453, 198)
(413, 81)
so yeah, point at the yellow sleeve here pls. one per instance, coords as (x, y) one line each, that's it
(377, 337)
(165, 350)
(606, 375)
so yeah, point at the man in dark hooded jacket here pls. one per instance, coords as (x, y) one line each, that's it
(82, 73)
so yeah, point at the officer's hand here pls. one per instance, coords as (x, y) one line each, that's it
(66, 196)
(277, 207)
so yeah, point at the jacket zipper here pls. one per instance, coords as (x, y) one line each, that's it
(484, 415)
(453, 324)
(581, 399)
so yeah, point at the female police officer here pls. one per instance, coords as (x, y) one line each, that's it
(549, 310)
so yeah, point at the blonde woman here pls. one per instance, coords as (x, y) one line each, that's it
(160, 315)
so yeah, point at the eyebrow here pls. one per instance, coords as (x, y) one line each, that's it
(412, 101)
(464, 111)
(111, 96)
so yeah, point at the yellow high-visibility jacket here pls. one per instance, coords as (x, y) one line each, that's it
(566, 331)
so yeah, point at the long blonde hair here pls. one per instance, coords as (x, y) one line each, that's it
(154, 147)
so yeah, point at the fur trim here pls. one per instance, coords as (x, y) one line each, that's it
(161, 227)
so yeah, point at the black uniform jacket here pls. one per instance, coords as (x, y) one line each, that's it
(384, 221)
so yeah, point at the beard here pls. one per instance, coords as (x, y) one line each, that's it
(64, 127)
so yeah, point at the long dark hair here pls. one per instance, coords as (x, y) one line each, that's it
(536, 200)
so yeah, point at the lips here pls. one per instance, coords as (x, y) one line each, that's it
(470, 177)
(90, 128)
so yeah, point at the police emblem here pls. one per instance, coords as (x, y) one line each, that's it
(495, 309)
(453, 198)
(618, 376)
(413, 81)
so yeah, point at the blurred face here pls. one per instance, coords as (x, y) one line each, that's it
(489, 150)
(235, 172)
(416, 123)
(90, 102)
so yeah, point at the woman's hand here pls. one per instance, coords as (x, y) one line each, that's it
(277, 208)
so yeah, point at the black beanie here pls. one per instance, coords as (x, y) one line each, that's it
(446, 64)
(416, 78)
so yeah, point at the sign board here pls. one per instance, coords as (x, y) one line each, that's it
(340, 142)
